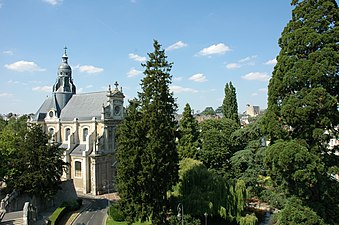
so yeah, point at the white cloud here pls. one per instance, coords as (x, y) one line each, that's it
(177, 78)
(5, 94)
(13, 82)
(176, 45)
(199, 77)
(271, 62)
(133, 72)
(254, 94)
(136, 57)
(247, 59)
(179, 89)
(233, 65)
(24, 66)
(8, 52)
(256, 76)
(90, 69)
(264, 90)
(215, 49)
(42, 88)
(53, 2)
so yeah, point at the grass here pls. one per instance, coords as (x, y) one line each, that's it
(110, 221)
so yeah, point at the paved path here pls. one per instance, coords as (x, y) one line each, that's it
(94, 214)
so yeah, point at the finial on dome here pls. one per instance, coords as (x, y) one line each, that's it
(116, 85)
(65, 57)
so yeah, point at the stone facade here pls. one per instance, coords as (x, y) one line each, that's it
(85, 126)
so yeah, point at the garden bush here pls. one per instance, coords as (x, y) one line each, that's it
(115, 213)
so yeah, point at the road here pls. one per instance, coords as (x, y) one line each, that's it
(95, 214)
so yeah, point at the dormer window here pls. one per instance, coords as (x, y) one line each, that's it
(67, 133)
(84, 134)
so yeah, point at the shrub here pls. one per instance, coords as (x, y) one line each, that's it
(72, 205)
(115, 213)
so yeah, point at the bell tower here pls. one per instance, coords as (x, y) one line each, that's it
(64, 88)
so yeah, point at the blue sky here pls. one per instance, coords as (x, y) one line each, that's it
(210, 43)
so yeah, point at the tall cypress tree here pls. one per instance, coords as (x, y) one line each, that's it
(188, 143)
(130, 138)
(303, 103)
(230, 105)
(150, 145)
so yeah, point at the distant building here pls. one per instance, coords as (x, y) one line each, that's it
(85, 125)
(252, 110)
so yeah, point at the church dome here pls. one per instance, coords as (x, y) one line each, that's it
(64, 68)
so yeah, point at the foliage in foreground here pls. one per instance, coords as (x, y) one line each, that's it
(33, 165)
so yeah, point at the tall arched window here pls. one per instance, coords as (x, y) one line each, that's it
(77, 169)
(67, 133)
(51, 133)
(84, 134)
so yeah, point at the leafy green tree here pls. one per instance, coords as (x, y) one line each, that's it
(230, 105)
(12, 133)
(158, 157)
(248, 165)
(303, 106)
(295, 213)
(199, 190)
(294, 167)
(235, 201)
(217, 148)
(188, 142)
(37, 166)
(248, 220)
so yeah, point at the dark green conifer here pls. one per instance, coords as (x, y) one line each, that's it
(153, 147)
(303, 96)
(188, 143)
(230, 105)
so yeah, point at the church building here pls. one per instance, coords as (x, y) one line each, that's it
(85, 126)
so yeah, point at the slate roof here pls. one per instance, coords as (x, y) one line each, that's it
(43, 110)
(78, 150)
(82, 106)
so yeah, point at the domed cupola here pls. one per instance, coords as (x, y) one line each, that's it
(64, 88)
(64, 68)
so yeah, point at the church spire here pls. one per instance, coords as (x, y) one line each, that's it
(64, 87)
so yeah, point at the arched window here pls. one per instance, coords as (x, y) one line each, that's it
(51, 133)
(67, 133)
(77, 169)
(84, 134)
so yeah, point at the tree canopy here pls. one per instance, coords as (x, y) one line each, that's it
(33, 165)
(302, 112)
